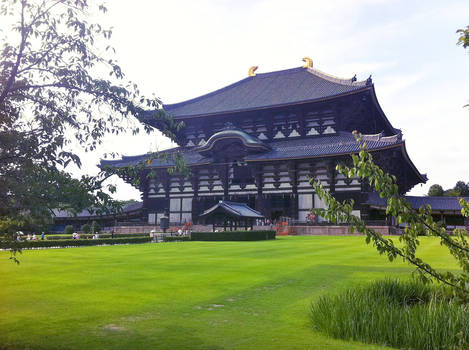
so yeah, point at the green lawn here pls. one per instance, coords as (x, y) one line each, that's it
(190, 295)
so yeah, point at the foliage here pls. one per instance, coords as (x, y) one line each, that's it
(60, 88)
(417, 222)
(435, 190)
(72, 242)
(460, 189)
(57, 237)
(176, 238)
(86, 228)
(404, 315)
(233, 236)
(463, 39)
(69, 229)
(95, 227)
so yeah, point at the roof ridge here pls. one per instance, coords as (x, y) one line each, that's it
(230, 206)
(349, 82)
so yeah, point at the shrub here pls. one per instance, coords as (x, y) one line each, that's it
(71, 242)
(69, 229)
(176, 238)
(86, 228)
(55, 237)
(394, 313)
(233, 236)
(82, 236)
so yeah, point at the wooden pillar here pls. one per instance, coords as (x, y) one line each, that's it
(258, 179)
(292, 173)
(301, 122)
(195, 207)
(222, 171)
(332, 176)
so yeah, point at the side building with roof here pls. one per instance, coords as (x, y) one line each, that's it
(261, 139)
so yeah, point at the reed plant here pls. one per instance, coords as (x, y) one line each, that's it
(401, 314)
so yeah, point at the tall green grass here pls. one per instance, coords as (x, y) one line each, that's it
(407, 315)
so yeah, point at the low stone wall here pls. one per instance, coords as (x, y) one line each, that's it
(331, 230)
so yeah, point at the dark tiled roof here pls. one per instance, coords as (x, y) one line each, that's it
(268, 90)
(234, 209)
(341, 143)
(437, 203)
(85, 213)
(163, 159)
(318, 146)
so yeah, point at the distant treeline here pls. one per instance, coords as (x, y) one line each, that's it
(460, 189)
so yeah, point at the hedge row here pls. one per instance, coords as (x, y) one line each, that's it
(233, 236)
(71, 242)
(101, 235)
(176, 238)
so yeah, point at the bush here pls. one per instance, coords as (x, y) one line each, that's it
(86, 228)
(82, 236)
(69, 229)
(71, 242)
(233, 236)
(176, 238)
(55, 237)
(398, 314)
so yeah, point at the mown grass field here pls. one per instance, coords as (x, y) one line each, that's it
(187, 295)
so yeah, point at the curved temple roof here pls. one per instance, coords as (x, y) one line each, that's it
(252, 143)
(321, 146)
(343, 143)
(271, 89)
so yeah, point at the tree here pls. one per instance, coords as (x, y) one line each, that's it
(60, 86)
(69, 229)
(435, 190)
(95, 227)
(86, 228)
(418, 222)
(462, 188)
(452, 193)
(463, 39)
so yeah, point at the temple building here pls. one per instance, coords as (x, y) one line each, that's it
(260, 140)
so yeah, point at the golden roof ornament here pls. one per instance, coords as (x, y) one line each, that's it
(252, 71)
(308, 62)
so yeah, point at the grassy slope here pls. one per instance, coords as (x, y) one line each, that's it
(162, 296)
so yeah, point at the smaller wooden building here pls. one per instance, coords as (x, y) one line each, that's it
(130, 215)
(444, 209)
(231, 215)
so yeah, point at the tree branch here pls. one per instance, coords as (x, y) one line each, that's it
(14, 71)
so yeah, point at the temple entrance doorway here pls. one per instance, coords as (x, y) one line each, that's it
(276, 215)
(279, 205)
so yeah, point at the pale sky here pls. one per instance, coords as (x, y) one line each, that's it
(182, 49)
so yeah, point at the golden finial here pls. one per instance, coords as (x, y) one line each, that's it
(308, 62)
(252, 71)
